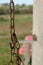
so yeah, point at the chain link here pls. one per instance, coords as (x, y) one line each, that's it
(14, 40)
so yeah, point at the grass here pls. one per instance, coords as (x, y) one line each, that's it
(23, 27)
(22, 22)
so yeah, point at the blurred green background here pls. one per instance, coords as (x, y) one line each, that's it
(23, 27)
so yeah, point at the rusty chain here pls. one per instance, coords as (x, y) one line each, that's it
(14, 39)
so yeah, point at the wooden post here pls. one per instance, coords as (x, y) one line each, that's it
(37, 55)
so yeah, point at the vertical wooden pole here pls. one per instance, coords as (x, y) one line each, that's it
(37, 55)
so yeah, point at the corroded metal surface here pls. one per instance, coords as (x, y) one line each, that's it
(14, 44)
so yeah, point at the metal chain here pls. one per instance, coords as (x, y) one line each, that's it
(14, 39)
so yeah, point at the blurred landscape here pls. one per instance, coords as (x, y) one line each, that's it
(23, 27)
(23, 9)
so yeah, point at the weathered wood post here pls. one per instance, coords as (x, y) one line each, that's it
(37, 55)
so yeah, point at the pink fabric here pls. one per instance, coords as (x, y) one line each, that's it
(22, 49)
(28, 38)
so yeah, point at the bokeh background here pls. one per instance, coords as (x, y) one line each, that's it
(23, 25)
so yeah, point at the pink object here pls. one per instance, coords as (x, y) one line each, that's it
(22, 49)
(28, 38)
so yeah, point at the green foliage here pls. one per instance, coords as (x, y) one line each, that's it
(23, 9)
(3, 34)
(2, 19)
(21, 37)
(23, 27)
